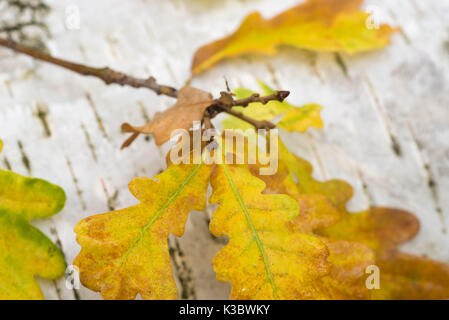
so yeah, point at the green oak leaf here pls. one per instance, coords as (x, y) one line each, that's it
(25, 252)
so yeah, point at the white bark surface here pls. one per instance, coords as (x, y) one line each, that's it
(386, 115)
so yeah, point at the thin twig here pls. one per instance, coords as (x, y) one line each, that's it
(106, 74)
(256, 123)
(227, 101)
(110, 76)
(277, 96)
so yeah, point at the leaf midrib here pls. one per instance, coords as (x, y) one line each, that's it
(253, 230)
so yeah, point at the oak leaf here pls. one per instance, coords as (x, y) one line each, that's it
(25, 252)
(264, 259)
(322, 205)
(319, 25)
(125, 252)
(403, 276)
(189, 107)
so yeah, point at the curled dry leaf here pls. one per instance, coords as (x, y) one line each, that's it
(25, 252)
(319, 25)
(125, 252)
(189, 107)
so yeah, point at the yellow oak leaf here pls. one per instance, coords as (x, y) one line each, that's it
(297, 119)
(125, 252)
(191, 104)
(264, 259)
(319, 25)
(25, 252)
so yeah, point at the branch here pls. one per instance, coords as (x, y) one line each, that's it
(256, 123)
(227, 101)
(223, 104)
(277, 96)
(106, 74)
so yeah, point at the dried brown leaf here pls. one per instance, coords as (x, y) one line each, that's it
(190, 107)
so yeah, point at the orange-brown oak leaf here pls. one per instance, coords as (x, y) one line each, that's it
(402, 276)
(189, 107)
(125, 252)
(380, 229)
(319, 25)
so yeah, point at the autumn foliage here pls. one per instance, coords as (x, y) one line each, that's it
(289, 235)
